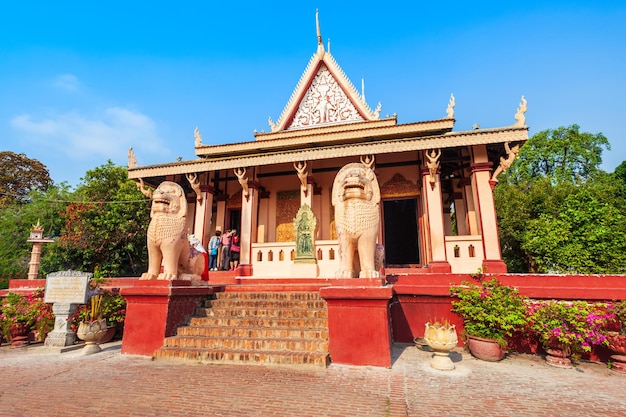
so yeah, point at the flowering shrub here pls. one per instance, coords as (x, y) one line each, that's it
(489, 309)
(29, 310)
(572, 326)
(619, 311)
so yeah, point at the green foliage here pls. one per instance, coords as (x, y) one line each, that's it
(572, 326)
(557, 211)
(112, 309)
(618, 309)
(107, 229)
(563, 155)
(16, 220)
(489, 309)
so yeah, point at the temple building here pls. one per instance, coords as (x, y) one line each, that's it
(437, 211)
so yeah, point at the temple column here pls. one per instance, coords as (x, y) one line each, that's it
(470, 207)
(204, 210)
(460, 214)
(249, 212)
(434, 216)
(263, 219)
(485, 205)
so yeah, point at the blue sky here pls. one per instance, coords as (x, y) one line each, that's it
(80, 82)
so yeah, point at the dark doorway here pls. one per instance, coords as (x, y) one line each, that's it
(401, 234)
(234, 221)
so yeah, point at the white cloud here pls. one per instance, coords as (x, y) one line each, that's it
(106, 135)
(67, 82)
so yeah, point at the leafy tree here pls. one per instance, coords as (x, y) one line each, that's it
(19, 175)
(16, 220)
(557, 211)
(563, 155)
(107, 228)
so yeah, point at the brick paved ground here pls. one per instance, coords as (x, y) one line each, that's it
(36, 383)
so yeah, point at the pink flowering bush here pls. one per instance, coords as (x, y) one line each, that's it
(571, 326)
(29, 310)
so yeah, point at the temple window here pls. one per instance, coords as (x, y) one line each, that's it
(259, 256)
(472, 251)
(270, 256)
(320, 255)
(331, 254)
(293, 254)
(281, 255)
(457, 251)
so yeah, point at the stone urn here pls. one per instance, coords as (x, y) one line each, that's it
(91, 332)
(617, 344)
(441, 338)
(485, 349)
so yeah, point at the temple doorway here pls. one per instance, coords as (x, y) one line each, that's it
(400, 233)
(234, 220)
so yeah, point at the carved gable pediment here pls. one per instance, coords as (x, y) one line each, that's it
(398, 187)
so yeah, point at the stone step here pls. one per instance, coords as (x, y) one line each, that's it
(263, 312)
(248, 344)
(254, 327)
(266, 303)
(237, 356)
(253, 332)
(302, 323)
(239, 295)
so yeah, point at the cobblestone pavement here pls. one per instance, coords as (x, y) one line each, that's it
(37, 382)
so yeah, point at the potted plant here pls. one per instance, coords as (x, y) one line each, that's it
(617, 337)
(491, 313)
(20, 314)
(567, 329)
(92, 326)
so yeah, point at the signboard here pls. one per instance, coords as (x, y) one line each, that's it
(67, 287)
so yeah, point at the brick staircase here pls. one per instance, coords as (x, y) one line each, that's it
(288, 328)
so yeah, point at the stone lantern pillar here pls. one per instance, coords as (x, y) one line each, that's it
(37, 239)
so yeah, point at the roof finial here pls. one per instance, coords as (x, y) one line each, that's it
(320, 43)
(363, 87)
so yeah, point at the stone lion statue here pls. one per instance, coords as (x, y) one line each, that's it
(168, 243)
(356, 198)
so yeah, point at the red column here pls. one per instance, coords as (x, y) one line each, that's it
(154, 310)
(359, 324)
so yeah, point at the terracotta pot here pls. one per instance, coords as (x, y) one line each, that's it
(558, 355)
(19, 335)
(485, 349)
(617, 344)
(108, 335)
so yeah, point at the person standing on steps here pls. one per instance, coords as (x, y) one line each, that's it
(226, 237)
(234, 251)
(214, 245)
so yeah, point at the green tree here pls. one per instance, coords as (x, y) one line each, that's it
(563, 155)
(19, 175)
(16, 220)
(558, 211)
(107, 228)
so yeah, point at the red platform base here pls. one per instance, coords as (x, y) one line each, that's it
(359, 324)
(154, 310)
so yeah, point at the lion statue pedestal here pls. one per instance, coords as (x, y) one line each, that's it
(356, 198)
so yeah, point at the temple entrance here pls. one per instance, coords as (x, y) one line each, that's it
(400, 232)
(234, 220)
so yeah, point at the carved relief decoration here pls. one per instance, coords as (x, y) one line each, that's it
(287, 206)
(398, 187)
(325, 102)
